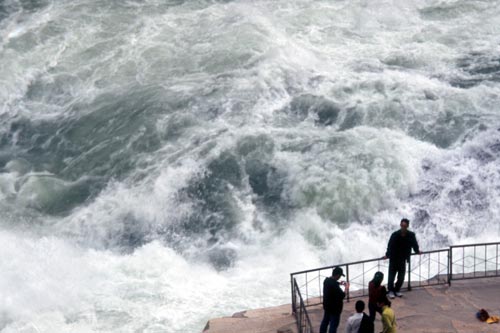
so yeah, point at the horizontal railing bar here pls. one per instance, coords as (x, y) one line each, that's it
(359, 262)
(479, 244)
(332, 266)
(474, 277)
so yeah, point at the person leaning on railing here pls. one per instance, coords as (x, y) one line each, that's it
(398, 251)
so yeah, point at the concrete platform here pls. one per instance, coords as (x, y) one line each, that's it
(438, 309)
(266, 320)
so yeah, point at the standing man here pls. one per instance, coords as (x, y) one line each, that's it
(398, 252)
(333, 300)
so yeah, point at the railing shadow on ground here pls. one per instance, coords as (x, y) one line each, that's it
(430, 268)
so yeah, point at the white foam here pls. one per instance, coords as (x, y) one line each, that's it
(54, 285)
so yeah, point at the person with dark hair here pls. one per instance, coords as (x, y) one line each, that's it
(354, 320)
(388, 316)
(333, 300)
(398, 251)
(375, 291)
(359, 322)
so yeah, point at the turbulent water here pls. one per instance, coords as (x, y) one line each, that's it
(166, 162)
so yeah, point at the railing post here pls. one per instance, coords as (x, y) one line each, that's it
(474, 272)
(307, 289)
(496, 262)
(294, 301)
(485, 259)
(347, 277)
(409, 273)
(450, 265)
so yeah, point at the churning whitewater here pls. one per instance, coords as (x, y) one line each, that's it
(167, 162)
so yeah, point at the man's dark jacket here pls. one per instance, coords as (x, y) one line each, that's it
(399, 247)
(333, 296)
(366, 325)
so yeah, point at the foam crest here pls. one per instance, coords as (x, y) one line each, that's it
(385, 170)
(457, 191)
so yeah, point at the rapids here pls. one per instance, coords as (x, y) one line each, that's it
(166, 162)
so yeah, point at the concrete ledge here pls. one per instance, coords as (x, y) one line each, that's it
(436, 309)
(267, 320)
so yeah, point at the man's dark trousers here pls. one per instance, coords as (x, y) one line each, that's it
(329, 319)
(399, 267)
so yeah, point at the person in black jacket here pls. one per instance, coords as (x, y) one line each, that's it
(366, 325)
(398, 252)
(333, 301)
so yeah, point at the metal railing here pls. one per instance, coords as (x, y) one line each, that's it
(430, 268)
(474, 261)
(303, 320)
